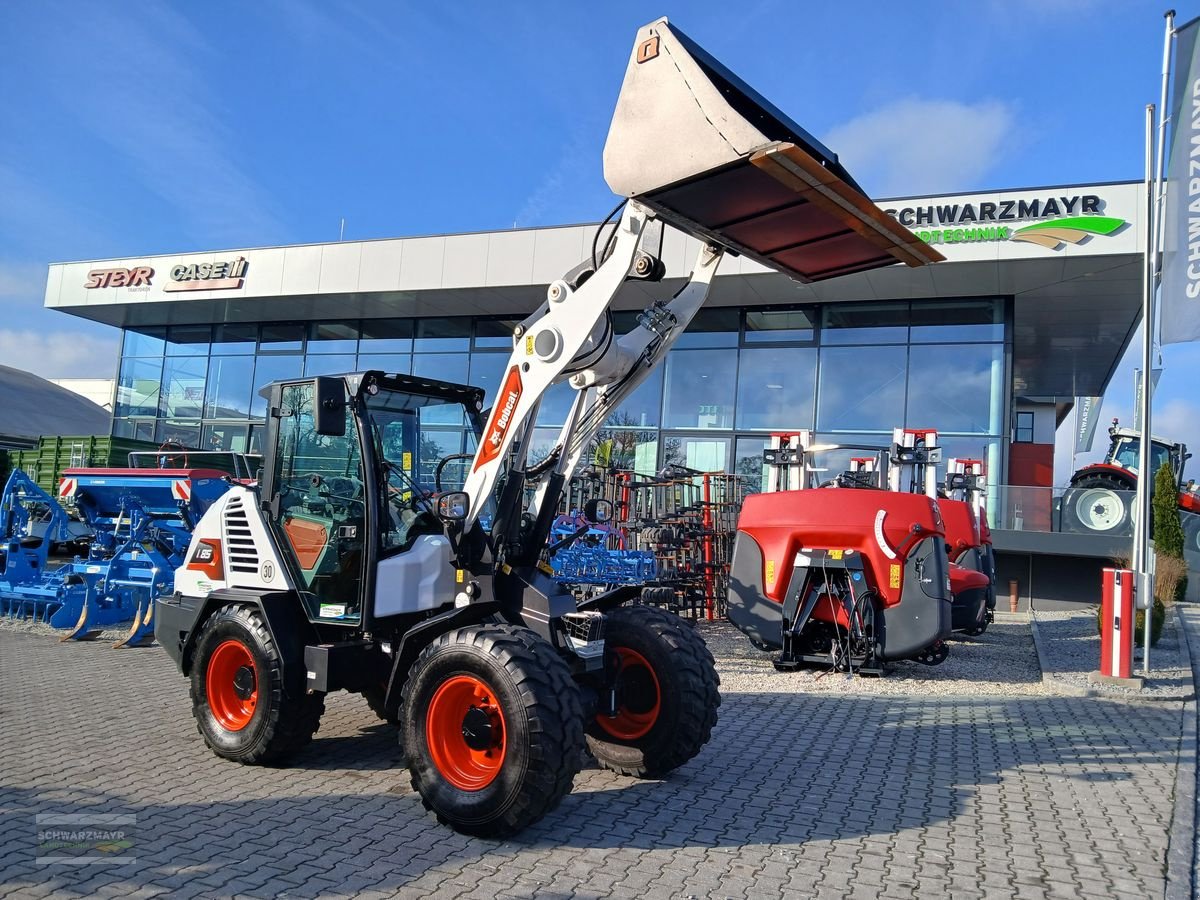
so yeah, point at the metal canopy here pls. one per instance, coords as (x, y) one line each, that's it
(699, 146)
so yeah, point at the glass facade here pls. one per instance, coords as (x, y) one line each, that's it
(850, 371)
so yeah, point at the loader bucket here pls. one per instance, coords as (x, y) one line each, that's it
(695, 143)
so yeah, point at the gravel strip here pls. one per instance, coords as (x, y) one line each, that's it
(29, 626)
(1070, 648)
(1000, 662)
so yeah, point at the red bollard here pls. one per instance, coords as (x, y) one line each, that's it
(1117, 624)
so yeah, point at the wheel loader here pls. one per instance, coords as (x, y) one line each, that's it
(361, 560)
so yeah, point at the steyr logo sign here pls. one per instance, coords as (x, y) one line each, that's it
(138, 277)
(218, 276)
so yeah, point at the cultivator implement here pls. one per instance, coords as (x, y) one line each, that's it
(25, 554)
(141, 521)
(672, 534)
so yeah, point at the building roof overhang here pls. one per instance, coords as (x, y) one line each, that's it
(1076, 300)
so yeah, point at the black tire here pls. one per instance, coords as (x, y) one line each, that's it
(1191, 531)
(671, 700)
(1097, 504)
(374, 697)
(532, 709)
(277, 721)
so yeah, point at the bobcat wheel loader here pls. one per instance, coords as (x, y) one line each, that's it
(356, 565)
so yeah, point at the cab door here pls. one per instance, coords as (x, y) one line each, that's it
(319, 507)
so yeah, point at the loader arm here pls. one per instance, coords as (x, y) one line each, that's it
(570, 329)
(605, 385)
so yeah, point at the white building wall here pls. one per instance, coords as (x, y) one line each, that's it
(98, 390)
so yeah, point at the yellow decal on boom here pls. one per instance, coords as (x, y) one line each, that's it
(406, 461)
(458, 575)
(529, 345)
(770, 571)
(894, 578)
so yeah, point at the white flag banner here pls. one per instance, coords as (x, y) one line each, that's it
(1179, 312)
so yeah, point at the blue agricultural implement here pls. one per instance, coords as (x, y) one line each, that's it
(141, 520)
(584, 552)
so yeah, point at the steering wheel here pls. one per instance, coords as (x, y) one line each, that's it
(331, 488)
(178, 452)
(437, 473)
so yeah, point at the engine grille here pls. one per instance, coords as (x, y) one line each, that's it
(239, 540)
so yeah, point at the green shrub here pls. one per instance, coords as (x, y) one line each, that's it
(1168, 531)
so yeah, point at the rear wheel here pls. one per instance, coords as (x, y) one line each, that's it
(1097, 503)
(1191, 531)
(375, 697)
(492, 729)
(667, 697)
(240, 703)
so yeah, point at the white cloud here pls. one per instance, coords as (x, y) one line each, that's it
(172, 128)
(894, 150)
(62, 354)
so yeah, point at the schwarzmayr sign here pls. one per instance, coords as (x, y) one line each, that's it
(1069, 219)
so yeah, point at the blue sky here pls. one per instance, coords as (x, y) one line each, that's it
(139, 127)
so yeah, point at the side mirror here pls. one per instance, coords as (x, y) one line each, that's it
(453, 506)
(329, 404)
(598, 511)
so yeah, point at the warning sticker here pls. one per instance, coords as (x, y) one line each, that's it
(529, 345)
(770, 571)
(406, 461)
(894, 576)
(835, 554)
(458, 575)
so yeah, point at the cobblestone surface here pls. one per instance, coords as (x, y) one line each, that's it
(805, 794)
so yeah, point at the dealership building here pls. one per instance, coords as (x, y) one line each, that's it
(1036, 301)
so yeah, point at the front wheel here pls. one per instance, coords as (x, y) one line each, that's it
(1097, 504)
(239, 700)
(666, 694)
(492, 729)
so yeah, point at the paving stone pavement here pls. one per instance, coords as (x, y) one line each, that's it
(800, 795)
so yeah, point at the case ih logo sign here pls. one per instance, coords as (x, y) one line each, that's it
(218, 276)
(138, 277)
(502, 417)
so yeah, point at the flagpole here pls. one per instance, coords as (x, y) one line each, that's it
(1142, 531)
(1145, 476)
(1163, 119)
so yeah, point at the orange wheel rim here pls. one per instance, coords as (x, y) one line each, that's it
(232, 685)
(465, 731)
(640, 698)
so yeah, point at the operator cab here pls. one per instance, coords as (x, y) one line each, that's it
(1125, 448)
(356, 473)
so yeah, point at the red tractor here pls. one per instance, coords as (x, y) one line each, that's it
(1100, 497)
